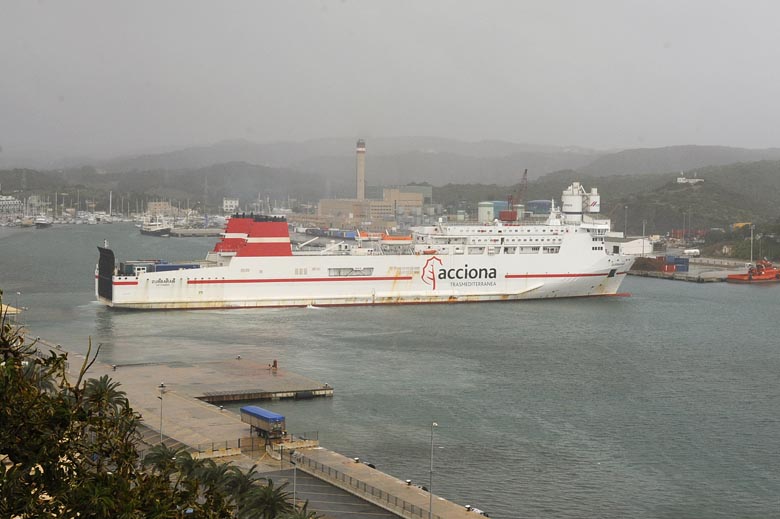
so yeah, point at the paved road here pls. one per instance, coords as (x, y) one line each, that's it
(329, 501)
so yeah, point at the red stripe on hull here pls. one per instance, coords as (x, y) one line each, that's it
(529, 276)
(123, 283)
(292, 280)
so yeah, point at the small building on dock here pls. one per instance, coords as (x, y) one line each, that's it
(632, 245)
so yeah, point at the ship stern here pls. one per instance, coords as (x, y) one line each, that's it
(104, 273)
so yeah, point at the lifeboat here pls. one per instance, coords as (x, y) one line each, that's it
(762, 272)
(396, 239)
(369, 236)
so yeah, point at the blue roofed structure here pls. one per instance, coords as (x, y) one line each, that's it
(267, 423)
(262, 413)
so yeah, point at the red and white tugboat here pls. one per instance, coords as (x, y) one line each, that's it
(762, 272)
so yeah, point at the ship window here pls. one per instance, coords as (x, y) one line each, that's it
(551, 250)
(347, 271)
(476, 250)
(510, 250)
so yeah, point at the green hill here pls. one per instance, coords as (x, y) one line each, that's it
(729, 194)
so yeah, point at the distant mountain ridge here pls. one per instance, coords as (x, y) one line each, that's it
(642, 161)
(440, 161)
(737, 192)
(389, 160)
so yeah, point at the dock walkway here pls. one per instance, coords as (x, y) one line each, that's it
(392, 494)
(170, 398)
(702, 270)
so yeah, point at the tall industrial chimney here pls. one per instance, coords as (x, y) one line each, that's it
(361, 169)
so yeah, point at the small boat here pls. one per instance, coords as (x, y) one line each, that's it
(762, 272)
(157, 227)
(42, 222)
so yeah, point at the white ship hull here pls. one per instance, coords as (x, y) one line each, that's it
(306, 280)
(444, 264)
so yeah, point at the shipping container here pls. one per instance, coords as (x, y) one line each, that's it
(681, 268)
(669, 267)
(165, 267)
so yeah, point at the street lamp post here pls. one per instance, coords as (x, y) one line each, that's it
(161, 387)
(430, 479)
(751, 242)
(295, 475)
(643, 237)
(625, 224)
(16, 304)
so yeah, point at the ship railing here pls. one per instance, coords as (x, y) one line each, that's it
(358, 487)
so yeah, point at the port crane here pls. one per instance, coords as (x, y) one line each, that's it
(522, 190)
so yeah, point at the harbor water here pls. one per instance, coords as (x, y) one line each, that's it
(662, 404)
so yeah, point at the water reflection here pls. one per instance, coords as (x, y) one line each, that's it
(104, 330)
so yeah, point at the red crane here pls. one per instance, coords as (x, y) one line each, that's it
(520, 194)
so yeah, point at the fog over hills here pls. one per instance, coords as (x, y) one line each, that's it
(440, 161)
(435, 160)
(740, 191)
(673, 159)
(390, 160)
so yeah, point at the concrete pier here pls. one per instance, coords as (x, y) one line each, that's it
(171, 399)
(247, 379)
(701, 270)
(195, 233)
(396, 496)
(679, 276)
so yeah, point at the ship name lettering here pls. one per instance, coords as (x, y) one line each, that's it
(467, 273)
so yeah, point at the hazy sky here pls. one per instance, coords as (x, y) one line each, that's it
(102, 77)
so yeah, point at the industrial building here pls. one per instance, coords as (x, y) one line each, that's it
(396, 201)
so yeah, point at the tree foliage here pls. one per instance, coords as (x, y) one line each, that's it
(70, 449)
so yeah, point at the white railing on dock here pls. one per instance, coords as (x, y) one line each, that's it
(361, 488)
(255, 443)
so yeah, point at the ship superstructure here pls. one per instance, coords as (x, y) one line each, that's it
(254, 265)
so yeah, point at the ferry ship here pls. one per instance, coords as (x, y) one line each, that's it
(254, 265)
